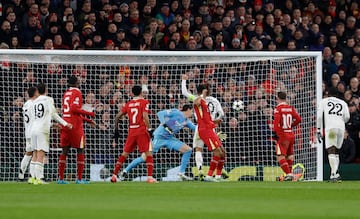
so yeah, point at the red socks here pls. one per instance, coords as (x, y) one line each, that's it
(118, 164)
(150, 165)
(62, 166)
(285, 166)
(290, 163)
(80, 165)
(220, 166)
(213, 164)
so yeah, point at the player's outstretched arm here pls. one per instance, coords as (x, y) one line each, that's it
(78, 110)
(55, 115)
(184, 89)
(90, 121)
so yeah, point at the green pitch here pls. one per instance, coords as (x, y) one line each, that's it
(185, 200)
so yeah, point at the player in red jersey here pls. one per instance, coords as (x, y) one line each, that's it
(206, 130)
(137, 111)
(75, 138)
(285, 118)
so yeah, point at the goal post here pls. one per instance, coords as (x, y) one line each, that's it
(106, 80)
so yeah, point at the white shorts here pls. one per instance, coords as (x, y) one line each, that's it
(197, 142)
(334, 137)
(29, 147)
(40, 141)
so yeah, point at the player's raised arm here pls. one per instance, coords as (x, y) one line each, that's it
(184, 90)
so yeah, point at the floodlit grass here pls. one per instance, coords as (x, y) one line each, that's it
(184, 200)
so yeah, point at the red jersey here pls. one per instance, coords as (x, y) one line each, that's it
(203, 116)
(72, 108)
(135, 109)
(285, 117)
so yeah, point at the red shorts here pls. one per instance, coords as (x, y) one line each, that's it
(210, 139)
(285, 144)
(143, 141)
(72, 139)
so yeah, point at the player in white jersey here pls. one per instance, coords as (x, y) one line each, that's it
(28, 116)
(44, 112)
(216, 112)
(332, 115)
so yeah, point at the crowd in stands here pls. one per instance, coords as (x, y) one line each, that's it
(329, 26)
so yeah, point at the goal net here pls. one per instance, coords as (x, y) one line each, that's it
(106, 81)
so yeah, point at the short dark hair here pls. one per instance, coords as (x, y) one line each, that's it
(31, 91)
(201, 87)
(136, 90)
(41, 88)
(72, 80)
(333, 91)
(186, 107)
(281, 95)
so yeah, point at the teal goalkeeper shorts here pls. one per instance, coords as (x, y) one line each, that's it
(171, 143)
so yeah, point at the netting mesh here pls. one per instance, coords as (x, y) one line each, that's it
(106, 82)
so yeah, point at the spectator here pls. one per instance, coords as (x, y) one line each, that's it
(31, 29)
(82, 13)
(352, 126)
(32, 12)
(348, 150)
(191, 44)
(14, 24)
(218, 27)
(5, 33)
(354, 86)
(165, 15)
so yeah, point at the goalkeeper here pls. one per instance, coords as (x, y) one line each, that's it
(172, 121)
(217, 113)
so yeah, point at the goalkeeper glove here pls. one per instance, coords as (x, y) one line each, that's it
(318, 135)
(222, 136)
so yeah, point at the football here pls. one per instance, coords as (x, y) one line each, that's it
(238, 105)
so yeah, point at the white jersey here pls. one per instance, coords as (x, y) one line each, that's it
(334, 112)
(44, 112)
(28, 114)
(215, 108)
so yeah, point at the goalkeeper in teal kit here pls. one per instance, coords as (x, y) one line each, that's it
(172, 121)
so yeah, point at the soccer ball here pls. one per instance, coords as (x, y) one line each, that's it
(238, 105)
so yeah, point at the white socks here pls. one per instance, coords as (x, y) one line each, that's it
(32, 169)
(334, 163)
(198, 159)
(39, 170)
